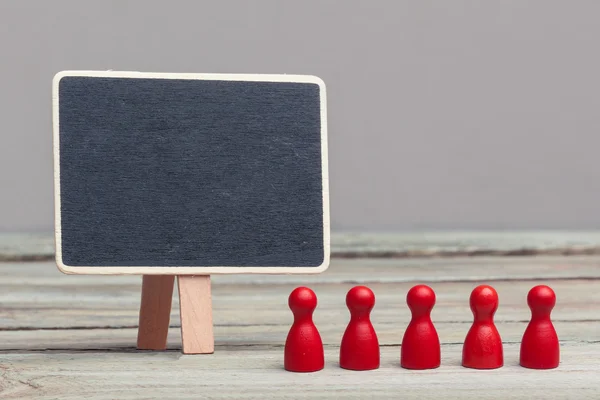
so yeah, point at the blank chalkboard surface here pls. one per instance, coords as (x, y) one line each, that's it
(190, 173)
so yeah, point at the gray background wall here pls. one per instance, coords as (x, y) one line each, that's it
(443, 114)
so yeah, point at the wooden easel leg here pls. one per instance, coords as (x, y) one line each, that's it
(155, 312)
(195, 304)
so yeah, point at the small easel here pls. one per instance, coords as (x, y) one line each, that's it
(190, 163)
(195, 307)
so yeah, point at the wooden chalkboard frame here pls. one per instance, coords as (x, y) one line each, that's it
(190, 270)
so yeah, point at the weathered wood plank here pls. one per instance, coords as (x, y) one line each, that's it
(95, 355)
(270, 335)
(357, 270)
(250, 373)
(367, 271)
(266, 304)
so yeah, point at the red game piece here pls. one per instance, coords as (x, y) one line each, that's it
(420, 344)
(539, 347)
(483, 346)
(303, 346)
(360, 346)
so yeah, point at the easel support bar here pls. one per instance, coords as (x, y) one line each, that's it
(155, 312)
(195, 305)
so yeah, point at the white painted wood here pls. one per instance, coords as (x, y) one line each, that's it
(196, 270)
(232, 336)
(256, 372)
(87, 345)
(363, 271)
(37, 295)
(118, 306)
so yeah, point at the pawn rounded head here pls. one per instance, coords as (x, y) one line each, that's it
(420, 298)
(360, 298)
(302, 299)
(541, 298)
(484, 300)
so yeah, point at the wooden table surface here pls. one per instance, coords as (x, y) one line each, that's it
(73, 337)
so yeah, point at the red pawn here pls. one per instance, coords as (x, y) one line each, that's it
(539, 347)
(303, 346)
(483, 346)
(360, 346)
(420, 344)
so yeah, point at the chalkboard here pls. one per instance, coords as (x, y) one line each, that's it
(178, 174)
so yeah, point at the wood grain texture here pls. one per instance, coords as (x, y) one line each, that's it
(73, 337)
(155, 311)
(257, 373)
(256, 335)
(109, 301)
(195, 308)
